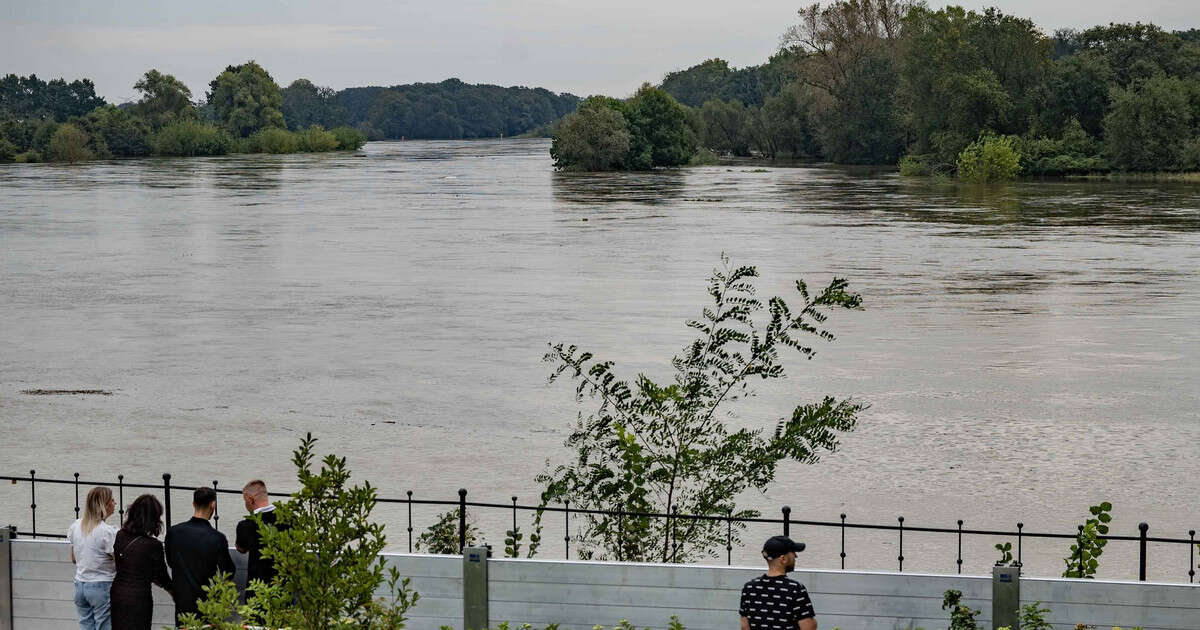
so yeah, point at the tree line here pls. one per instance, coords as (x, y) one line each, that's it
(982, 94)
(242, 113)
(246, 111)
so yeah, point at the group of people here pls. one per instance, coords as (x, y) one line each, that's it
(115, 566)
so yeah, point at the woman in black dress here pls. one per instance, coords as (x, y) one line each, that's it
(139, 556)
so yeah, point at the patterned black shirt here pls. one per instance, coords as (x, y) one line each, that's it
(775, 603)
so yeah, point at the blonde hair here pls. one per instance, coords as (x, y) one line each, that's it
(255, 488)
(95, 510)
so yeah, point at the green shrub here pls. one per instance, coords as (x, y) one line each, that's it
(189, 138)
(8, 150)
(69, 144)
(28, 157)
(704, 157)
(916, 165)
(442, 536)
(962, 617)
(316, 140)
(989, 159)
(273, 140)
(348, 138)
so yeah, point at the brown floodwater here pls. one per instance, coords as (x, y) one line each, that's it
(1027, 349)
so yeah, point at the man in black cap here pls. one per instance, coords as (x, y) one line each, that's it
(772, 601)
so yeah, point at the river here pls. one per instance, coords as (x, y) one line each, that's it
(1027, 349)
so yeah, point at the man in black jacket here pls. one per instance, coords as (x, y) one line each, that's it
(248, 541)
(196, 552)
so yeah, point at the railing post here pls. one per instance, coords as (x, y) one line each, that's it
(216, 507)
(33, 502)
(1020, 526)
(960, 524)
(1142, 528)
(1191, 556)
(167, 497)
(843, 541)
(567, 529)
(121, 497)
(901, 556)
(76, 495)
(729, 538)
(620, 533)
(462, 519)
(787, 520)
(410, 521)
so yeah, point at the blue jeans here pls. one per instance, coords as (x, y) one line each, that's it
(91, 600)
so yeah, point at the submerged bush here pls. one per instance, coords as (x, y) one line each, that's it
(348, 138)
(191, 139)
(989, 159)
(316, 140)
(916, 165)
(273, 140)
(70, 144)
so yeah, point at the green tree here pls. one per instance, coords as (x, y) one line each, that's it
(8, 150)
(863, 126)
(164, 100)
(594, 138)
(665, 125)
(246, 99)
(305, 104)
(965, 73)
(1149, 124)
(724, 124)
(1076, 87)
(787, 117)
(122, 133)
(30, 98)
(666, 447)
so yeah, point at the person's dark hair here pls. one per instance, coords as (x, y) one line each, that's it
(144, 516)
(204, 496)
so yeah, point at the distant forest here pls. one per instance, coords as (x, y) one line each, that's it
(450, 109)
(947, 91)
(245, 111)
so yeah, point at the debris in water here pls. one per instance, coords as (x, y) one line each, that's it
(65, 392)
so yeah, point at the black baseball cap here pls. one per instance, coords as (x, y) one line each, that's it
(779, 545)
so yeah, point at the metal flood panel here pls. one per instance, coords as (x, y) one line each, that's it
(1006, 597)
(6, 603)
(475, 588)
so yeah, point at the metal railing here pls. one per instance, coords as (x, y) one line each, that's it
(785, 522)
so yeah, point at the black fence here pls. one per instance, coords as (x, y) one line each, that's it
(785, 522)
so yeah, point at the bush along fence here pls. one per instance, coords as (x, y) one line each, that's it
(1087, 542)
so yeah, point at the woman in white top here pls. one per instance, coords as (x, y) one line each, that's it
(92, 552)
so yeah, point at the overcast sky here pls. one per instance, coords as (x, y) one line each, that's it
(579, 46)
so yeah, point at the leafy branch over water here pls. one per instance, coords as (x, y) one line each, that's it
(665, 448)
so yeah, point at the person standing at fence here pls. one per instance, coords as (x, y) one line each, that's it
(196, 552)
(773, 601)
(248, 540)
(92, 552)
(140, 562)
